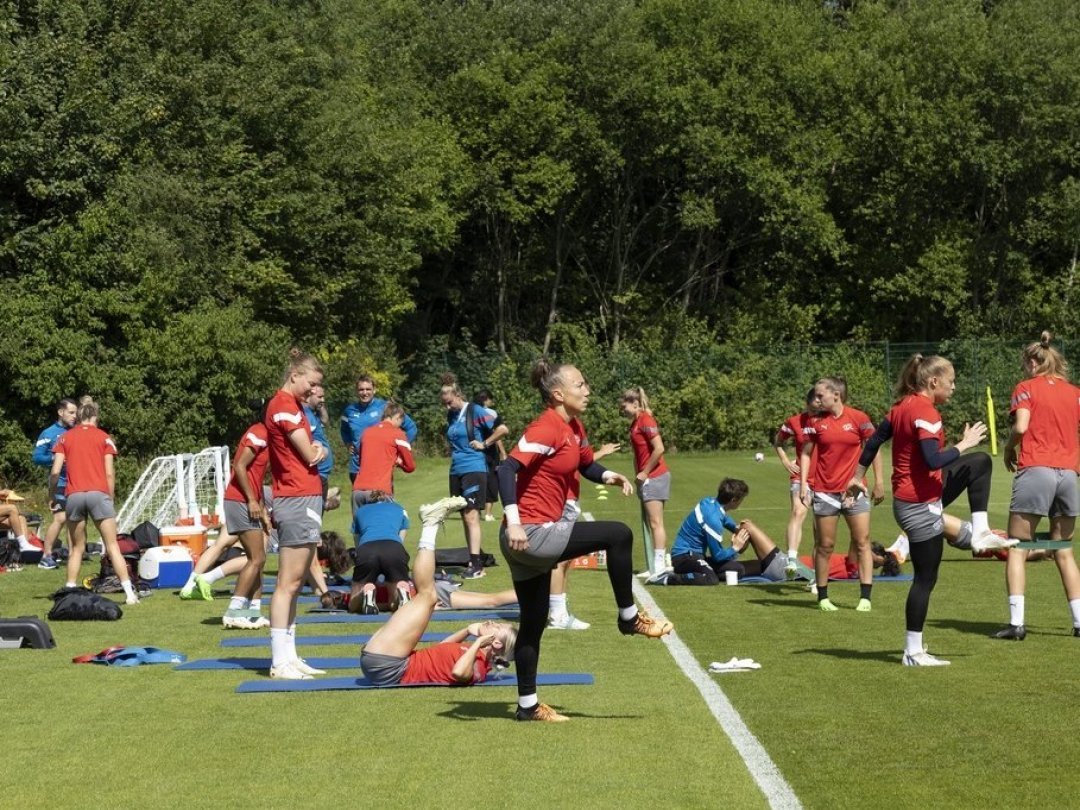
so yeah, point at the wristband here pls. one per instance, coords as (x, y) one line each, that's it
(513, 517)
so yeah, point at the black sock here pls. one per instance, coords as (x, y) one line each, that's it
(864, 591)
(822, 592)
(475, 560)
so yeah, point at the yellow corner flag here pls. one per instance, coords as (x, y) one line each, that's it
(991, 423)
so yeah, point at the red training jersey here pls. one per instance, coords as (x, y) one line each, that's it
(84, 448)
(1051, 437)
(642, 431)
(290, 475)
(551, 451)
(380, 448)
(795, 428)
(435, 664)
(254, 439)
(913, 419)
(838, 441)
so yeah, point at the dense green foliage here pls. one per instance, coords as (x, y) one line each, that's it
(186, 188)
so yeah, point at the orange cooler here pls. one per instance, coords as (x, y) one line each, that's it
(193, 537)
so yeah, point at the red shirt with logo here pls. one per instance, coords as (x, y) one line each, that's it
(795, 428)
(642, 431)
(84, 448)
(1051, 437)
(551, 451)
(435, 664)
(838, 441)
(291, 476)
(381, 447)
(913, 419)
(255, 440)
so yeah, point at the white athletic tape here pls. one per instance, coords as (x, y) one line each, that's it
(764, 771)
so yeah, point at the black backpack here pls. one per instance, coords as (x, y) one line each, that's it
(79, 604)
(146, 534)
(107, 580)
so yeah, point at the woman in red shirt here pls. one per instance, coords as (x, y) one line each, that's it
(794, 429)
(653, 476)
(298, 502)
(534, 484)
(927, 477)
(91, 487)
(385, 448)
(837, 435)
(1046, 420)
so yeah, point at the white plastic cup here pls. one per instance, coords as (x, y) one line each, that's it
(731, 577)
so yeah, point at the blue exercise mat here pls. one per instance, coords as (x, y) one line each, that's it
(258, 664)
(764, 581)
(438, 616)
(264, 641)
(334, 684)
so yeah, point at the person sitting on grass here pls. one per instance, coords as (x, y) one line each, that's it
(698, 547)
(391, 657)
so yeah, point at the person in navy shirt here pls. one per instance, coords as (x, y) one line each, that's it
(470, 429)
(379, 528)
(66, 411)
(360, 415)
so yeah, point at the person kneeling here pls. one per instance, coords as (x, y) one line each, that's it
(379, 527)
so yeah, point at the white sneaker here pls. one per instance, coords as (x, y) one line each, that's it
(644, 574)
(304, 667)
(489, 518)
(288, 672)
(131, 600)
(239, 623)
(432, 514)
(567, 622)
(989, 541)
(923, 659)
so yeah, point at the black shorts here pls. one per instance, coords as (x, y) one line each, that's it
(492, 486)
(386, 557)
(472, 487)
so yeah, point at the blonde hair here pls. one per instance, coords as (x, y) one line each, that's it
(300, 362)
(637, 396)
(1049, 362)
(509, 640)
(88, 409)
(448, 384)
(546, 376)
(917, 372)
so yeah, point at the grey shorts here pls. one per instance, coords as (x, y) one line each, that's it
(919, 521)
(237, 519)
(1046, 491)
(777, 569)
(383, 670)
(361, 497)
(443, 589)
(96, 505)
(831, 504)
(656, 489)
(547, 542)
(298, 519)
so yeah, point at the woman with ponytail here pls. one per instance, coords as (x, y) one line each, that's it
(534, 484)
(1046, 419)
(653, 476)
(927, 477)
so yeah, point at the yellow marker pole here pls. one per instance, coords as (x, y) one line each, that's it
(991, 423)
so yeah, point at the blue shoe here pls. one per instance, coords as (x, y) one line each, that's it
(47, 562)
(473, 572)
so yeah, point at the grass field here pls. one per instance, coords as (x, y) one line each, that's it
(844, 722)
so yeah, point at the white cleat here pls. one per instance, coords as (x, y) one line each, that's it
(288, 672)
(567, 622)
(923, 659)
(432, 514)
(307, 669)
(989, 541)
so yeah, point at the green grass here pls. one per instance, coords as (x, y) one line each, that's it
(845, 723)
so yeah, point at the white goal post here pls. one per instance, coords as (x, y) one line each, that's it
(179, 486)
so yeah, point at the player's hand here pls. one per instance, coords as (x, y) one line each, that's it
(879, 493)
(855, 488)
(739, 540)
(476, 444)
(805, 496)
(973, 435)
(627, 487)
(1009, 457)
(485, 641)
(516, 538)
(792, 467)
(609, 448)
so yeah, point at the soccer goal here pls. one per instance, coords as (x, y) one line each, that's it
(178, 486)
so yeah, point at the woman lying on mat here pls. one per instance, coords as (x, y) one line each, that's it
(846, 566)
(447, 592)
(391, 656)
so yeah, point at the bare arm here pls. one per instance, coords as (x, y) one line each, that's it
(657, 445)
(464, 670)
(110, 476)
(54, 475)
(311, 452)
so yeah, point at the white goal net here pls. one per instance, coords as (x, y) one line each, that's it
(179, 486)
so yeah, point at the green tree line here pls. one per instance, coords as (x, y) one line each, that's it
(188, 188)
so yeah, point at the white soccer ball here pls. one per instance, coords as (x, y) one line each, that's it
(759, 456)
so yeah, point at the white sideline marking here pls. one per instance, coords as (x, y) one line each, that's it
(768, 777)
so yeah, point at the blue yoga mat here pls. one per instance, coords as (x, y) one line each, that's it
(264, 664)
(437, 616)
(332, 684)
(764, 581)
(264, 641)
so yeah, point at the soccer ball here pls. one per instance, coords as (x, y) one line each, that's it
(759, 456)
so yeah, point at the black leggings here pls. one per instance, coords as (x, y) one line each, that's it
(614, 538)
(972, 473)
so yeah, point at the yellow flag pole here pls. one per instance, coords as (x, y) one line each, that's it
(991, 423)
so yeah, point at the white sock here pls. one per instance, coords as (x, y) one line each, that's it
(213, 576)
(557, 604)
(129, 589)
(256, 603)
(238, 603)
(190, 584)
(69, 584)
(1074, 609)
(659, 561)
(24, 544)
(913, 643)
(279, 646)
(980, 524)
(792, 555)
(428, 534)
(291, 638)
(628, 613)
(1016, 609)
(527, 701)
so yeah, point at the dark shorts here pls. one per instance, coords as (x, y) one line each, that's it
(383, 670)
(492, 486)
(380, 557)
(472, 487)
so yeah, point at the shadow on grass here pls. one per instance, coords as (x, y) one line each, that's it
(887, 656)
(472, 710)
(806, 604)
(963, 626)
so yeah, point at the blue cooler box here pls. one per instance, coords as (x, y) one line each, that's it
(166, 566)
